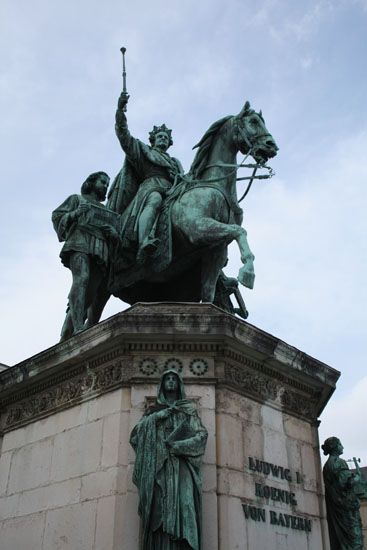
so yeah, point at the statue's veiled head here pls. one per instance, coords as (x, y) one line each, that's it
(332, 446)
(171, 383)
(161, 137)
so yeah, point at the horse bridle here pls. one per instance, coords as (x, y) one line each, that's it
(209, 182)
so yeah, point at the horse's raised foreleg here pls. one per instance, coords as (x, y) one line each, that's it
(246, 275)
(202, 231)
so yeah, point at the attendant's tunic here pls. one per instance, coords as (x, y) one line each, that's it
(79, 236)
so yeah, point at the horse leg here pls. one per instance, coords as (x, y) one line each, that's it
(246, 274)
(202, 231)
(211, 265)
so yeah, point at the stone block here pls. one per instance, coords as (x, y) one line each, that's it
(232, 532)
(105, 525)
(236, 484)
(229, 442)
(115, 443)
(23, 533)
(5, 461)
(206, 395)
(293, 449)
(253, 441)
(46, 427)
(9, 507)
(309, 465)
(296, 428)
(208, 419)
(77, 451)
(30, 466)
(99, 484)
(210, 522)
(272, 418)
(209, 472)
(307, 501)
(127, 526)
(139, 394)
(51, 496)
(230, 402)
(70, 527)
(109, 403)
(14, 439)
(275, 447)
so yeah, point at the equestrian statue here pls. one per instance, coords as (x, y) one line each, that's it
(175, 228)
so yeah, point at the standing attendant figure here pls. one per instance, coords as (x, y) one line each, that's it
(82, 222)
(342, 502)
(169, 442)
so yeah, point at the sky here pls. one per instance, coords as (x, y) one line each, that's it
(188, 64)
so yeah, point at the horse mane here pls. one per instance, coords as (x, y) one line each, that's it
(204, 147)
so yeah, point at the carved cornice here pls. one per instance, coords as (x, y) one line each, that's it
(89, 382)
(241, 359)
(265, 388)
(206, 344)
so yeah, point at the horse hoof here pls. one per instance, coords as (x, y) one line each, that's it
(246, 278)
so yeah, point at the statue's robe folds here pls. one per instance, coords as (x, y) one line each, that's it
(145, 170)
(79, 236)
(342, 505)
(169, 481)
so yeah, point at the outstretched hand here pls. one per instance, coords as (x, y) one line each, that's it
(123, 99)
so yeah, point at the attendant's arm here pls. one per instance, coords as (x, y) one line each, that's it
(65, 216)
(347, 479)
(128, 143)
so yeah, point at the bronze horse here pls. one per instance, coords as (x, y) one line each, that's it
(204, 218)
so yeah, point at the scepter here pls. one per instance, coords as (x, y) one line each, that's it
(124, 90)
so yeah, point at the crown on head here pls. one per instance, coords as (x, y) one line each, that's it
(156, 130)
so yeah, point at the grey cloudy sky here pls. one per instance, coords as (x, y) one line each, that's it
(190, 63)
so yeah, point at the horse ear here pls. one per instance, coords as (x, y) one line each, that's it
(245, 109)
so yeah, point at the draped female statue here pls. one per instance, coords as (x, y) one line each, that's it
(342, 502)
(169, 442)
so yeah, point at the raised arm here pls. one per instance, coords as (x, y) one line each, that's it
(128, 143)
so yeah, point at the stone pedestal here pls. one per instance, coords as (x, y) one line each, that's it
(66, 416)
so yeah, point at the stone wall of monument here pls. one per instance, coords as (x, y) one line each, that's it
(74, 468)
(66, 415)
(62, 478)
(364, 519)
(269, 482)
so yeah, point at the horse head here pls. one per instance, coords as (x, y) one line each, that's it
(252, 136)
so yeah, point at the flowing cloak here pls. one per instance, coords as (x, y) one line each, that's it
(78, 236)
(144, 170)
(342, 506)
(169, 484)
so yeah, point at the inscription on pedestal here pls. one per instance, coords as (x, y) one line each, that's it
(275, 494)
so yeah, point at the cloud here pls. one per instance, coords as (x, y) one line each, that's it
(308, 237)
(344, 418)
(33, 296)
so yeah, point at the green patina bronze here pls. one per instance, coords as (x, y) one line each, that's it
(342, 491)
(91, 235)
(176, 228)
(169, 442)
(173, 228)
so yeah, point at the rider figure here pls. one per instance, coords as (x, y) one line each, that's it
(155, 171)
